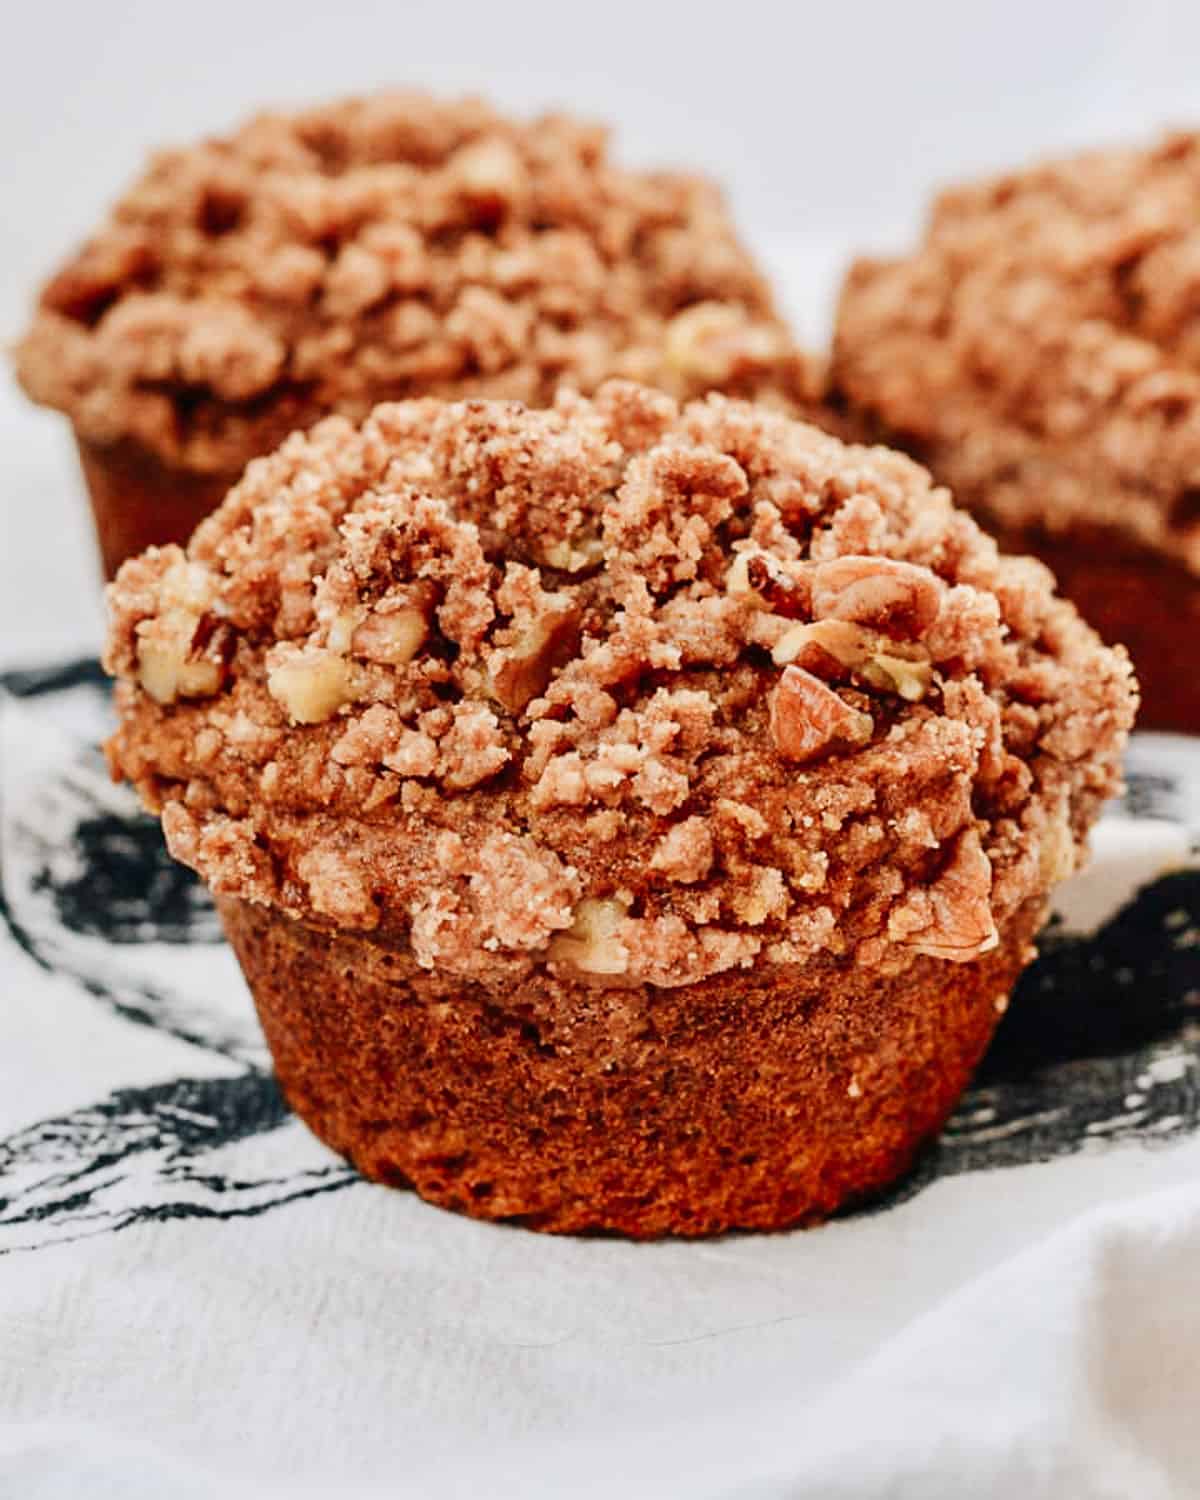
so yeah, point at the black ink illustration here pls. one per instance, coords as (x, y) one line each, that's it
(1100, 1044)
(89, 893)
(142, 1155)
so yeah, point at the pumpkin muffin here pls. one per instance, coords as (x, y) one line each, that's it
(380, 248)
(1040, 351)
(627, 816)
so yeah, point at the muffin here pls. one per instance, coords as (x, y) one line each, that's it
(381, 248)
(627, 816)
(1040, 351)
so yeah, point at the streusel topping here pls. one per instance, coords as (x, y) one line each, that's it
(390, 247)
(1041, 348)
(640, 691)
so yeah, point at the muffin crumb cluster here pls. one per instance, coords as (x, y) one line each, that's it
(638, 690)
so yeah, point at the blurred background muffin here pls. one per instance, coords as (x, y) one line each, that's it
(377, 248)
(1040, 351)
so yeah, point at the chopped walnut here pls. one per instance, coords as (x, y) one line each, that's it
(592, 943)
(395, 630)
(342, 628)
(177, 655)
(308, 683)
(809, 720)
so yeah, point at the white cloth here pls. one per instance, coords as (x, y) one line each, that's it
(196, 1298)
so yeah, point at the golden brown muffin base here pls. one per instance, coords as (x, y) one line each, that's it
(753, 1100)
(1133, 597)
(140, 502)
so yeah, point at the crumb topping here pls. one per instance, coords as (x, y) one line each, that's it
(639, 691)
(1041, 348)
(390, 247)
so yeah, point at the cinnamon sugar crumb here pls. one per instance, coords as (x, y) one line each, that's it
(591, 767)
(685, 853)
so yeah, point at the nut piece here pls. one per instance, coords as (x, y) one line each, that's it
(169, 663)
(309, 683)
(392, 638)
(808, 719)
(765, 580)
(177, 654)
(898, 598)
(711, 340)
(953, 918)
(832, 648)
(591, 943)
(341, 629)
(572, 554)
(520, 672)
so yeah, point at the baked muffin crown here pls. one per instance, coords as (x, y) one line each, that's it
(393, 246)
(641, 690)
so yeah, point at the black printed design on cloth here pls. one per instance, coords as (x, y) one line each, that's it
(1101, 1043)
(166, 1152)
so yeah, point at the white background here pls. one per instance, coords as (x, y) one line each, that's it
(828, 123)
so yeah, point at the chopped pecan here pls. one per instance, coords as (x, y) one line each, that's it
(831, 649)
(393, 630)
(952, 918)
(808, 719)
(769, 583)
(897, 598)
(519, 673)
